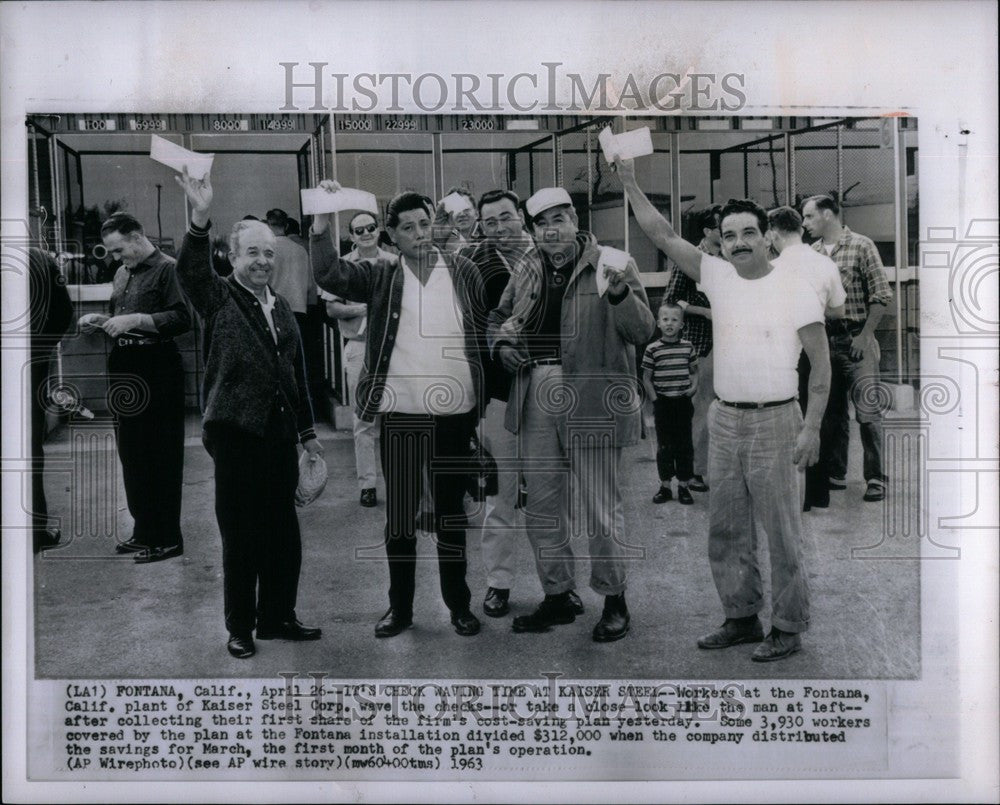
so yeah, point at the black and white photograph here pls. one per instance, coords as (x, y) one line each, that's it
(137, 488)
(385, 410)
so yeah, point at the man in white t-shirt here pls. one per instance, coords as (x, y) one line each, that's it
(784, 234)
(760, 316)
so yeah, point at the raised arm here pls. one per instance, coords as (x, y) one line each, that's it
(206, 289)
(657, 229)
(343, 278)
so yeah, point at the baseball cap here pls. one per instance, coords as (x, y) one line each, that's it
(546, 198)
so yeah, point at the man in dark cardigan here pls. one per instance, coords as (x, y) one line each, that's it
(256, 409)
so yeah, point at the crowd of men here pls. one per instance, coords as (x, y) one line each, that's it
(502, 319)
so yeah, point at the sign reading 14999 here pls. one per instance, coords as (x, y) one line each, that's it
(283, 124)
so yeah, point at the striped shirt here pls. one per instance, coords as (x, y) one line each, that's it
(861, 272)
(671, 363)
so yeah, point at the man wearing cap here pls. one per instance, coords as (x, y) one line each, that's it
(762, 316)
(567, 327)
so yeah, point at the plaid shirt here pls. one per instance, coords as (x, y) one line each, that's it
(697, 329)
(861, 272)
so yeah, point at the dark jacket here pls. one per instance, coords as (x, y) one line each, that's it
(250, 383)
(379, 284)
(51, 309)
(495, 264)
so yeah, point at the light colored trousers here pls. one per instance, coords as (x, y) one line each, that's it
(503, 525)
(571, 473)
(755, 480)
(364, 432)
(702, 399)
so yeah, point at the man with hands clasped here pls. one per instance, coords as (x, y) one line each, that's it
(567, 327)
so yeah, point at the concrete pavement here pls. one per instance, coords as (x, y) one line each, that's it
(100, 615)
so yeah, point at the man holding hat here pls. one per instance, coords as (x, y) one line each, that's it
(567, 327)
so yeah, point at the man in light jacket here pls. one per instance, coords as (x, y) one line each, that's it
(567, 327)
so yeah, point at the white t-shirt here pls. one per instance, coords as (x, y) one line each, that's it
(755, 327)
(817, 269)
(429, 372)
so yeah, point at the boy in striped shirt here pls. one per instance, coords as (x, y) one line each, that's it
(670, 377)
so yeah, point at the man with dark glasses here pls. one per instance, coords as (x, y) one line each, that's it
(352, 318)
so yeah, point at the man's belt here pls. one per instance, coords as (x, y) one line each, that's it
(140, 341)
(843, 327)
(545, 362)
(752, 406)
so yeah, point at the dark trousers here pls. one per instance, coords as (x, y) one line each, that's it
(674, 448)
(311, 332)
(817, 485)
(854, 380)
(255, 481)
(149, 423)
(39, 384)
(410, 442)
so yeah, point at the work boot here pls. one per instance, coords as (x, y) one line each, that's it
(614, 622)
(554, 609)
(733, 632)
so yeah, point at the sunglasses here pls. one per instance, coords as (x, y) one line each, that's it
(360, 230)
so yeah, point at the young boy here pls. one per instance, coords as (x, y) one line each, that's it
(670, 377)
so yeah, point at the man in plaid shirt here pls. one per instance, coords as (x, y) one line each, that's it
(698, 330)
(854, 352)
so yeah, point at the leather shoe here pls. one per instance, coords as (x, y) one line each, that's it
(158, 554)
(130, 546)
(553, 609)
(697, 484)
(875, 491)
(241, 647)
(733, 632)
(392, 623)
(465, 623)
(683, 496)
(574, 602)
(777, 646)
(614, 622)
(289, 630)
(368, 499)
(45, 539)
(663, 494)
(497, 602)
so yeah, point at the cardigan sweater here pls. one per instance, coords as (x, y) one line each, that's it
(379, 284)
(251, 382)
